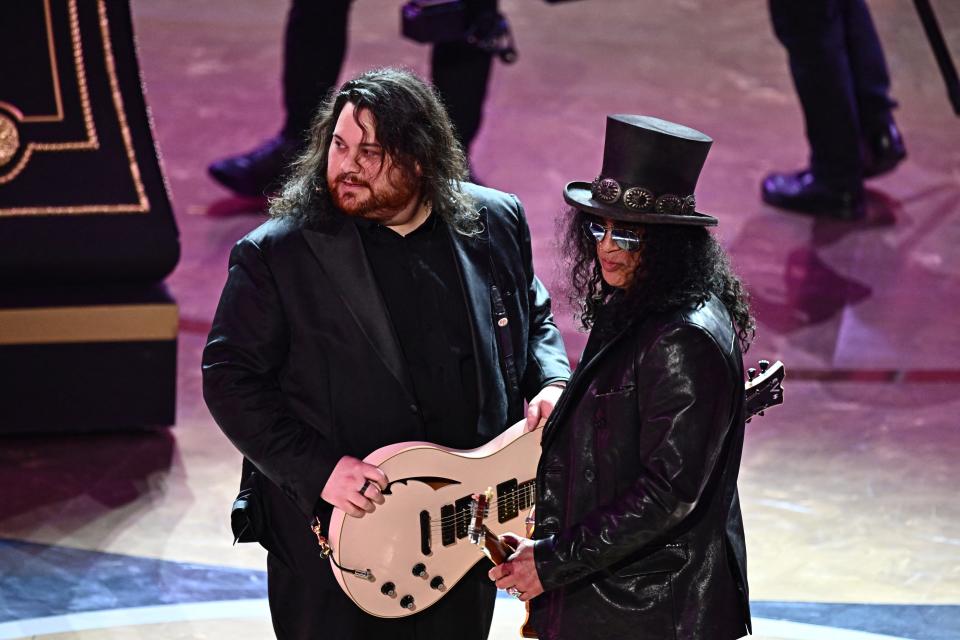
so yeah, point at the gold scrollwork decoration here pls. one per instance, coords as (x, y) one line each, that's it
(9, 140)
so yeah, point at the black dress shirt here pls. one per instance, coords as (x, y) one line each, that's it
(420, 284)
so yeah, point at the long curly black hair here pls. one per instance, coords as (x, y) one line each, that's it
(681, 266)
(413, 128)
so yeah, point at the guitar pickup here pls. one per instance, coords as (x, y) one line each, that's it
(507, 505)
(448, 525)
(462, 508)
(527, 494)
(425, 532)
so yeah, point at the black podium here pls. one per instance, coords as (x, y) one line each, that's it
(87, 329)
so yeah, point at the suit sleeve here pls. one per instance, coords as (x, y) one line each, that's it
(685, 391)
(245, 352)
(546, 357)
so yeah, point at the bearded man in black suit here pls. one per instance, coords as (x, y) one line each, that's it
(385, 301)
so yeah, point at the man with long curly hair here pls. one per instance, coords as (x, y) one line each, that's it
(638, 528)
(386, 300)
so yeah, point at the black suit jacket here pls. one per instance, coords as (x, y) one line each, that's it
(302, 367)
(637, 518)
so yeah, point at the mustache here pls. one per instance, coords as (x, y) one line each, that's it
(350, 178)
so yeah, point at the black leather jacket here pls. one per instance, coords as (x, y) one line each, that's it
(638, 520)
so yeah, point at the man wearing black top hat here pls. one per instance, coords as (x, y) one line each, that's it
(638, 531)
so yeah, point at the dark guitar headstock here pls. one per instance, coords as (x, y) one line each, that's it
(764, 389)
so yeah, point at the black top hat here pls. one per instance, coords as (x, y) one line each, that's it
(650, 170)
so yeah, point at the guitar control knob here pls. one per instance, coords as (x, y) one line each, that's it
(764, 365)
(389, 589)
(407, 602)
(420, 570)
(437, 583)
(751, 373)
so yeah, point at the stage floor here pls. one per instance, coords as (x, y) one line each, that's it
(848, 490)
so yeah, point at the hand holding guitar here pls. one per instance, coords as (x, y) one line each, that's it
(519, 574)
(542, 404)
(354, 487)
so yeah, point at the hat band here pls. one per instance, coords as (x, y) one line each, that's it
(641, 199)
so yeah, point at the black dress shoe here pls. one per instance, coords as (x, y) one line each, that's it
(802, 192)
(258, 172)
(883, 150)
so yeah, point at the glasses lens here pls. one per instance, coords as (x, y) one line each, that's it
(594, 230)
(626, 240)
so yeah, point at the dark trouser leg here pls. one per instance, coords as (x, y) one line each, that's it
(315, 46)
(813, 33)
(870, 75)
(460, 73)
(464, 613)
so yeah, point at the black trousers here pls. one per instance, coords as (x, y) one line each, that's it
(841, 77)
(315, 46)
(306, 603)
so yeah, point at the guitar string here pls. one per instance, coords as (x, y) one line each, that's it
(507, 496)
(464, 514)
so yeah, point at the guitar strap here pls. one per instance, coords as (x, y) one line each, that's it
(504, 341)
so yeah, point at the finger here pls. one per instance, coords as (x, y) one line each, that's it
(506, 582)
(362, 503)
(511, 539)
(373, 493)
(546, 408)
(375, 474)
(527, 595)
(500, 571)
(351, 510)
(533, 416)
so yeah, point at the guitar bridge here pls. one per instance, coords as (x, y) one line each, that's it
(476, 531)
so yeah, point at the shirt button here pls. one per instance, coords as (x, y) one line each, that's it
(588, 475)
(414, 409)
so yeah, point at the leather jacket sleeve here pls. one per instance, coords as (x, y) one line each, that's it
(546, 356)
(241, 362)
(685, 395)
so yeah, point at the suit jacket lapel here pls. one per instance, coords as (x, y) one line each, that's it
(472, 255)
(341, 255)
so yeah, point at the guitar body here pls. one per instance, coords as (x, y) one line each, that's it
(425, 516)
(417, 544)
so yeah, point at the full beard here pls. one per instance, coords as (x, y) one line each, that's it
(367, 203)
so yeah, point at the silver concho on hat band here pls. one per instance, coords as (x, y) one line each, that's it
(641, 199)
(638, 198)
(606, 190)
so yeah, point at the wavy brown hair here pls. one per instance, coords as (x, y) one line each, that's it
(413, 128)
(681, 267)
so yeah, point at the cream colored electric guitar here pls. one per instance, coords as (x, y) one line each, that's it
(444, 509)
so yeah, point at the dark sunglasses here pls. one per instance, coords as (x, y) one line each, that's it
(623, 238)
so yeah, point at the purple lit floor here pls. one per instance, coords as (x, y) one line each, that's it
(849, 490)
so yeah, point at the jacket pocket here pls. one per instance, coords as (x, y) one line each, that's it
(616, 391)
(668, 559)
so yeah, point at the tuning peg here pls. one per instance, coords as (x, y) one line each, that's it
(751, 373)
(764, 365)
